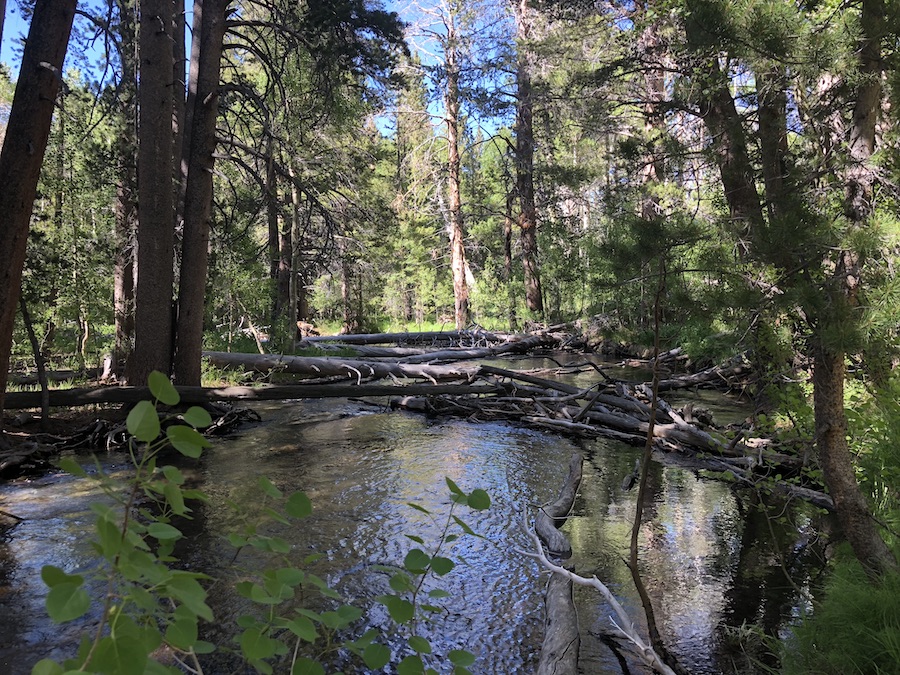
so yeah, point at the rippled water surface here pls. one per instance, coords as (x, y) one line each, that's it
(706, 556)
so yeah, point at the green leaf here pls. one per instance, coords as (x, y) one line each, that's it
(53, 576)
(290, 576)
(411, 665)
(268, 487)
(479, 500)
(175, 498)
(454, 488)
(417, 507)
(182, 632)
(187, 440)
(143, 422)
(303, 628)
(121, 655)
(67, 601)
(197, 417)
(298, 505)
(401, 582)
(163, 531)
(419, 644)
(376, 656)
(162, 389)
(441, 566)
(438, 593)
(401, 610)
(460, 657)
(349, 613)
(255, 645)
(415, 538)
(46, 667)
(466, 528)
(184, 587)
(173, 474)
(69, 465)
(416, 561)
(305, 666)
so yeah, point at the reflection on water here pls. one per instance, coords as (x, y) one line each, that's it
(705, 555)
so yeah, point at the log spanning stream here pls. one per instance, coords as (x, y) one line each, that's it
(709, 557)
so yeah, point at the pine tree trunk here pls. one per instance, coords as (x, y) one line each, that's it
(851, 507)
(454, 186)
(153, 323)
(126, 190)
(209, 24)
(27, 133)
(525, 164)
(854, 513)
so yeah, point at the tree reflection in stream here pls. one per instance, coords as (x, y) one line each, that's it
(707, 561)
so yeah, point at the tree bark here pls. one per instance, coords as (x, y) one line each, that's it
(27, 133)
(455, 226)
(126, 191)
(853, 511)
(153, 323)
(209, 25)
(524, 127)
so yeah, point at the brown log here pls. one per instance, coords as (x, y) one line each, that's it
(552, 516)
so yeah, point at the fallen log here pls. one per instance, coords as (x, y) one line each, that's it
(562, 641)
(356, 369)
(559, 649)
(450, 336)
(552, 516)
(196, 395)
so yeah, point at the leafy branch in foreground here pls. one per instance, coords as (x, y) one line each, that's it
(149, 608)
(406, 605)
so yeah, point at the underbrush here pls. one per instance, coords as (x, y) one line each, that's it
(854, 629)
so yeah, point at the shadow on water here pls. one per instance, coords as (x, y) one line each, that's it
(707, 554)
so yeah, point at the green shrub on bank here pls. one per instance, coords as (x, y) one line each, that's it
(854, 629)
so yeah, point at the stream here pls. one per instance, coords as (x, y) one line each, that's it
(710, 558)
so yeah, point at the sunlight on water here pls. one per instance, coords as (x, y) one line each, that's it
(362, 466)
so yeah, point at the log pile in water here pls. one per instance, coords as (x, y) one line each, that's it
(441, 379)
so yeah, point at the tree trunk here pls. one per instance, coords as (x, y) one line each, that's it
(508, 263)
(180, 141)
(524, 128)
(153, 323)
(126, 190)
(455, 226)
(27, 133)
(853, 511)
(209, 24)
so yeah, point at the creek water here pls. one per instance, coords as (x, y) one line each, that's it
(710, 558)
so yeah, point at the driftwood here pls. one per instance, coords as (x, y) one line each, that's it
(442, 337)
(622, 622)
(559, 650)
(552, 516)
(345, 368)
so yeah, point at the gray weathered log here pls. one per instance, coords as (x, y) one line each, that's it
(450, 336)
(354, 369)
(552, 516)
(559, 650)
